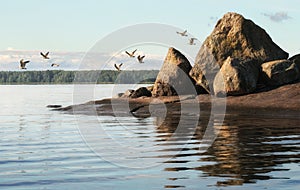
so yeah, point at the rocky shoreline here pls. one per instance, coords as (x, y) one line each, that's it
(238, 66)
(283, 101)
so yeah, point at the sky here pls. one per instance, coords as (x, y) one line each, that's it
(76, 26)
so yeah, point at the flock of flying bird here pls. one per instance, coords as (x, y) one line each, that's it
(141, 58)
(45, 56)
(191, 40)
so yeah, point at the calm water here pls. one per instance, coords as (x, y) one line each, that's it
(43, 149)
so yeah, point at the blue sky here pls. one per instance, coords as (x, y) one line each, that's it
(65, 25)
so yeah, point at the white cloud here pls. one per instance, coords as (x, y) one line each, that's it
(278, 16)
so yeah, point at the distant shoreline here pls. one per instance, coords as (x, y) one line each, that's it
(77, 77)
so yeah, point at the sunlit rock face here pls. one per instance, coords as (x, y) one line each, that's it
(173, 78)
(236, 77)
(238, 38)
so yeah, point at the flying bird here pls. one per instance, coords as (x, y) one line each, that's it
(141, 58)
(23, 64)
(118, 67)
(182, 33)
(54, 65)
(45, 56)
(130, 54)
(192, 41)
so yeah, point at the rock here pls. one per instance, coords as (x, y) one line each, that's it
(163, 89)
(143, 91)
(54, 106)
(173, 78)
(296, 60)
(236, 37)
(127, 93)
(236, 77)
(150, 88)
(119, 95)
(283, 102)
(279, 72)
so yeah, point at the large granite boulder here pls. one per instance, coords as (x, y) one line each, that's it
(236, 77)
(279, 72)
(143, 91)
(236, 37)
(173, 78)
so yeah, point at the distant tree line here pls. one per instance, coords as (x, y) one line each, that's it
(67, 77)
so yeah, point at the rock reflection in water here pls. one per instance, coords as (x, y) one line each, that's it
(247, 148)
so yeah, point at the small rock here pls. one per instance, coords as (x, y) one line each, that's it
(279, 72)
(143, 91)
(127, 93)
(54, 106)
(119, 95)
(296, 60)
(150, 88)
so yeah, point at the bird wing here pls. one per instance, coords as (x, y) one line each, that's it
(42, 54)
(120, 65)
(127, 53)
(140, 58)
(117, 67)
(184, 32)
(134, 51)
(47, 54)
(23, 63)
